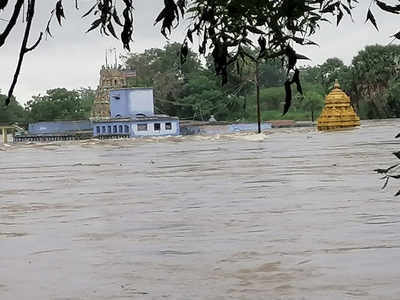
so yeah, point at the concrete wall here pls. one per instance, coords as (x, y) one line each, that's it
(129, 102)
(134, 130)
(59, 127)
(222, 129)
(150, 128)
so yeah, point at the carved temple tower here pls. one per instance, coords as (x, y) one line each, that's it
(110, 78)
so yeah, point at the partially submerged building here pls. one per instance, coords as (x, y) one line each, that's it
(337, 112)
(132, 115)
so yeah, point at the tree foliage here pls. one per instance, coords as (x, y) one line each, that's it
(60, 104)
(373, 70)
(13, 113)
(225, 28)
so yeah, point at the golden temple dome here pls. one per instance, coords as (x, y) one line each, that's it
(338, 112)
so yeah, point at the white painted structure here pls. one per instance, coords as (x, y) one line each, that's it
(132, 115)
(158, 125)
(131, 102)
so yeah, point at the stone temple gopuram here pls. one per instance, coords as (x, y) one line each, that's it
(110, 78)
(338, 112)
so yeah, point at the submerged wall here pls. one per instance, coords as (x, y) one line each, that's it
(59, 127)
(209, 129)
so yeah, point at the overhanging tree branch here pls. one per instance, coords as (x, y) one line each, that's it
(12, 22)
(24, 49)
(35, 44)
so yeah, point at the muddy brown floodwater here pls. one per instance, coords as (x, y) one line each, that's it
(290, 215)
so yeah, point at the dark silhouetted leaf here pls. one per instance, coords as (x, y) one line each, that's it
(181, 4)
(347, 9)
(388, 8)
(397, 194)
(168, 15)
(298, 40)
(255, 30)
(189, 35)
(292, 58)
(126, 34)
(339, 17)
(370, 17)
(3, 4)
(90, 10)
(310, 43)
(116, 18)
(397, 154)
(59, 11)
(111, 30)
(288, 98)
(386, 182)
(385, 171)
(296, 79)
(94, 25)
(397, 36)
(48, 23)
(329, 8)
(380, 171)
(300, 56)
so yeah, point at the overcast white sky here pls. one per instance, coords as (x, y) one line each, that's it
(72, 58)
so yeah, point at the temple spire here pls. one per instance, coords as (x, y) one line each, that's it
(338, 112)
(336, 85)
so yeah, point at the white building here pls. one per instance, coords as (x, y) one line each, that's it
(132, 115)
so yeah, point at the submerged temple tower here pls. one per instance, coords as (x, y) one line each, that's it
(338, 112)
(110, 78)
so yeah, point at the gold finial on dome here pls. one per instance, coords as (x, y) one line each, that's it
(336, 85)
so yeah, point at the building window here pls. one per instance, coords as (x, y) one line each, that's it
(98, 129)
(142, 127)
(115, 128)
(120, 128)
(168, 126)
(157, 126)
(104, 129)
(126, 128)
(109, 129)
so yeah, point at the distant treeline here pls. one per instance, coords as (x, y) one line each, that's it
(192, 91)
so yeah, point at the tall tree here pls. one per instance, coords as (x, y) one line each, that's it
(60, 104)
(373, 69)
(13, 113)
(163, 70)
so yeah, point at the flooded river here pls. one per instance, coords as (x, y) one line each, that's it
(291, 214)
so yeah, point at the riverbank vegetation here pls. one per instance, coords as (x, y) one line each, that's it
(193, 91)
